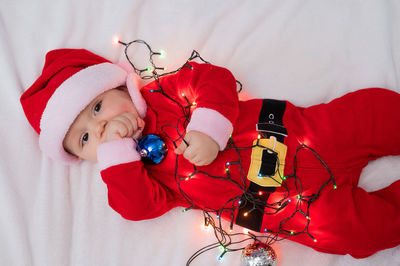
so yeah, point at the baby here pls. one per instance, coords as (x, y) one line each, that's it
(86, 108)
(112, 116)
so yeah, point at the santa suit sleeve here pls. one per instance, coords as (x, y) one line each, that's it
(213, 91)
(132, 192)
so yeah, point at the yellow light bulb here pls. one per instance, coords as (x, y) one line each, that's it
(206, 227)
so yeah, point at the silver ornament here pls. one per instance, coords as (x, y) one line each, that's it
(258, 254)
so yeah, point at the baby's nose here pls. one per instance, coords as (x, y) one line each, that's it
(99, 128)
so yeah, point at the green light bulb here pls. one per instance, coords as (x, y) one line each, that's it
(163, 54)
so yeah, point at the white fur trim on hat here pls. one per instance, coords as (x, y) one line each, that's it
(69, 99)
(132, 83)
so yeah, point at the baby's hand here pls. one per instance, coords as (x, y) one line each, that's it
(125, 125)
(202, 149)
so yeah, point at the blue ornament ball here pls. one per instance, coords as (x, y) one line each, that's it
(152, 149)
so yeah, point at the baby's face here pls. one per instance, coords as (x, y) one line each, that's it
(110, 116)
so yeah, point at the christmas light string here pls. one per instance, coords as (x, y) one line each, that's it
(225, 240)
(153, 68)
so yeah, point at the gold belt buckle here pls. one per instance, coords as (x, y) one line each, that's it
(271, 146)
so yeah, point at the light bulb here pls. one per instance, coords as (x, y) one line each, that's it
(163, 54)
(115, 39)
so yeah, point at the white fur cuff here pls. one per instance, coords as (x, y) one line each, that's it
(211, 123)
(117, 152)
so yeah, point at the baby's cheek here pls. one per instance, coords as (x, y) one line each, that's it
(91, 151)
(127, 106)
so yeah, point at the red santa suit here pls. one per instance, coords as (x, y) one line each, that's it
(347, 133)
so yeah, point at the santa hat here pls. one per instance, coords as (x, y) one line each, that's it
(70, 80)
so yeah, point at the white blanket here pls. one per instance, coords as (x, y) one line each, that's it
(306, 51)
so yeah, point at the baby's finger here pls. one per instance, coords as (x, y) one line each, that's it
(190, 153)
(122, 129)
(181, 148)
(140, 123)
(199, 162)
(204, 161)
(132, 119)
(113, 131)
(197, 159)
(128, 124)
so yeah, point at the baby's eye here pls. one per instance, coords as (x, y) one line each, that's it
(97, 108)
(85, 139)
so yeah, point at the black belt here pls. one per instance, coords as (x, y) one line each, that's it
(252, 204)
